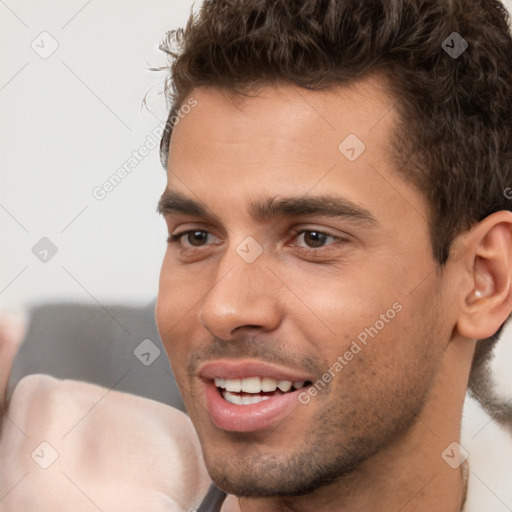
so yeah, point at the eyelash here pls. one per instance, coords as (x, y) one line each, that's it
(176, 238)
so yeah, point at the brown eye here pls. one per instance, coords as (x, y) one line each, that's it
(197, 238)
(314, 238)
(194, 238)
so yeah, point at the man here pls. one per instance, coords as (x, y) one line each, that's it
(339, 237)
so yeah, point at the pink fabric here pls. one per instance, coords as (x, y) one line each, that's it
(116, 452)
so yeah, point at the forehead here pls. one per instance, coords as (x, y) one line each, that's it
(286, 141)
(293, 119)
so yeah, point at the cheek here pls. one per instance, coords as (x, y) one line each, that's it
(365, 314)
(178, 299)
(336, 308)
(406, 344)
(180, 290)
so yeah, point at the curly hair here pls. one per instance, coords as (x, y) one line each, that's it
(453, 140)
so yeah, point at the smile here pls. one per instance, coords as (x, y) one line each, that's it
(245, 396)
(253, 390)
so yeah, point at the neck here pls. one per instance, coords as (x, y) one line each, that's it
(409, 475)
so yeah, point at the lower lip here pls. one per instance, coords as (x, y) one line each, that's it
(248, 418)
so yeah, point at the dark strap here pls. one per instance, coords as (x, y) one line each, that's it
(213, 500)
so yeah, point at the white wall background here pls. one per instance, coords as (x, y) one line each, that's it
(67, 123)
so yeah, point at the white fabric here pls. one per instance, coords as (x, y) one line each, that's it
(116, 452)
(490, 461)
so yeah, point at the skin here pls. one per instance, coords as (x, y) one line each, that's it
(374, 435)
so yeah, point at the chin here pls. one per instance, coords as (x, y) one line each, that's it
(266, 476)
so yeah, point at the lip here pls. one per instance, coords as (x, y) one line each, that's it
(242, 369)
(248, 418)
(254, 417)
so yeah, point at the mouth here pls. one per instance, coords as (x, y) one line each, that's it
(253, 390)
(248, 397)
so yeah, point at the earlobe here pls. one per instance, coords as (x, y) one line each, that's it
(489, 303)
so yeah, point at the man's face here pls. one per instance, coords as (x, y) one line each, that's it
(306, 264)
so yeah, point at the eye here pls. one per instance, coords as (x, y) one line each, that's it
(312, 239)
(193, 238)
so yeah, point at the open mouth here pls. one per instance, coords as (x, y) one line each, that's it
(250, 396)
(253, 390)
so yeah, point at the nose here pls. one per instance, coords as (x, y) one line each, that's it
(243, 297)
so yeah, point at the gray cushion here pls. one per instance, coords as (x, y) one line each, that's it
(101, 345)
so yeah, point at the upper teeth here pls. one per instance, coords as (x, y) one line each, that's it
(256, 385)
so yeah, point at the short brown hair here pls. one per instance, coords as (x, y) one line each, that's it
(454, 140)
(456, 133)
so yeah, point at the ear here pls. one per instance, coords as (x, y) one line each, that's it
(488, 261)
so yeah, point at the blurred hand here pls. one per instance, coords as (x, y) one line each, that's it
(70, 445)
(12, 330)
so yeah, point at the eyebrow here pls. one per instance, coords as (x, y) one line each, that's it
(274, 207)
(175, 202)
(324, 205)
